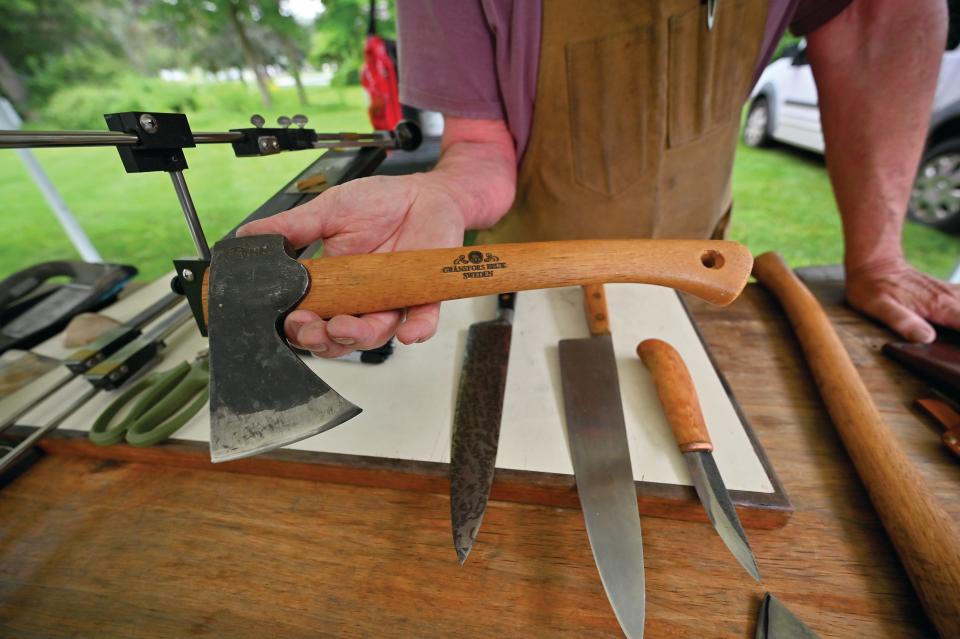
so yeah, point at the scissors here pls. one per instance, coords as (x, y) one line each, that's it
(166, 401)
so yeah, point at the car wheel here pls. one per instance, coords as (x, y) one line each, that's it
(756, 132)
(935, 198)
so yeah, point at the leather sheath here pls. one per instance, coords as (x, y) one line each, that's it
(938, 363)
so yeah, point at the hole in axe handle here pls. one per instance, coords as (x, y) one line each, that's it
(712, 259)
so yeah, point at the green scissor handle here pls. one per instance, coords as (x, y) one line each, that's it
(169, 400)
(104, 431)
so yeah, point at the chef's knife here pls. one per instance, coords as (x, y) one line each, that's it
(601, 462)
(679, 398)
(476, 423)
(775, 621)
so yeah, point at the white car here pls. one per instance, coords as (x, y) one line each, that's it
(783, 108)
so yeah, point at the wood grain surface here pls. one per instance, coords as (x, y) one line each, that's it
(351, 284)
(756, 510)
(926, 538)
(92, 548)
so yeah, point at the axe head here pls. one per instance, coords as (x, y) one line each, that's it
(262, 396)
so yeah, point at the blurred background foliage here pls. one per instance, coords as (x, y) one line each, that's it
(60, 62)
(64, 64)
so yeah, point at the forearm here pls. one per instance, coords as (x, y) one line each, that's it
(876, 66)
(477, 169)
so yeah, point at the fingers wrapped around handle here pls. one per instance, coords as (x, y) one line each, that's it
(677, 394)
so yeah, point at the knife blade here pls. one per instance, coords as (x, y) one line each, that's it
(775, 621)
(679, 398)
(476, 423)
(597, 437)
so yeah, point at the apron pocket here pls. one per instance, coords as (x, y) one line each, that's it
(709, 70)
(616, 97)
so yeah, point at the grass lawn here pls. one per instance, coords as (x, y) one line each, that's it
(782, 198)
(135, 219)
(782, 201)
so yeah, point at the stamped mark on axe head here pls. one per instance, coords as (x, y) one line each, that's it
(262, 396)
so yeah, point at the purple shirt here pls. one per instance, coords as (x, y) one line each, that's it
(478, 59)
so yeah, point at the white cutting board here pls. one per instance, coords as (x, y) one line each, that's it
(408, 401)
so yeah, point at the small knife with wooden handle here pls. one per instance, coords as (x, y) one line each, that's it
(679, 398)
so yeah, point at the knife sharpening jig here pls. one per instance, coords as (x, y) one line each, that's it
(150, 142)
(262, 396)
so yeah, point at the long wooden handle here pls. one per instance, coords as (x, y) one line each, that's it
(595, 309)
(714, 270)
(925, 537)
(677, 394)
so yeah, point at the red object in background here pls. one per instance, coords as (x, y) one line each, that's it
(379, 77)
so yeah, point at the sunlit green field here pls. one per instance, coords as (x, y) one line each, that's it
(135, 219)
(782, 197)
(783, 202)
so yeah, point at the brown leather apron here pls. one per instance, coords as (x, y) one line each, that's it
(635, 121)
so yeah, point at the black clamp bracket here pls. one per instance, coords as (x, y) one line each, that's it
(162, 139)
(268, 141)
(189, 282)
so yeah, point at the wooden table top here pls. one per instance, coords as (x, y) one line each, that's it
(93, 548)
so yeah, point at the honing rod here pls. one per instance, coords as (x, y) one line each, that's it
(924, 535)
(713, 270)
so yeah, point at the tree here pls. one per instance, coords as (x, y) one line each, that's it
(35, 35)
(291, 39)
(238, 11)
(341, 31)
(198, 21)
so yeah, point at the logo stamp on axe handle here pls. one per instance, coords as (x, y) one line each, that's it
(262, 396)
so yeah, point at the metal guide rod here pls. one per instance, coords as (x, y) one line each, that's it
(190, 213)
(23, 139)
(154, 311)
(27, 139)
(210, 137)
(164, 327)
(352, 143)
(372, 136)
(17, 451)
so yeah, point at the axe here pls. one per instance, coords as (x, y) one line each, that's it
(262, 396)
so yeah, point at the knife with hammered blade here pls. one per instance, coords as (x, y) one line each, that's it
(682, 408)
(476, 423)
(597, 437)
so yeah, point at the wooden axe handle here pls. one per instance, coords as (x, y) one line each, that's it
(714, 270)
(924, 535)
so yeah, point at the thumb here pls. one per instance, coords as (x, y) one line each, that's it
(420, 325)
(902, 320)
(300, 225)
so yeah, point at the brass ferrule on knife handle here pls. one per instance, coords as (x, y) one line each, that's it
(595, 309)
(925, 536)
(713, 270)
(677, 394)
